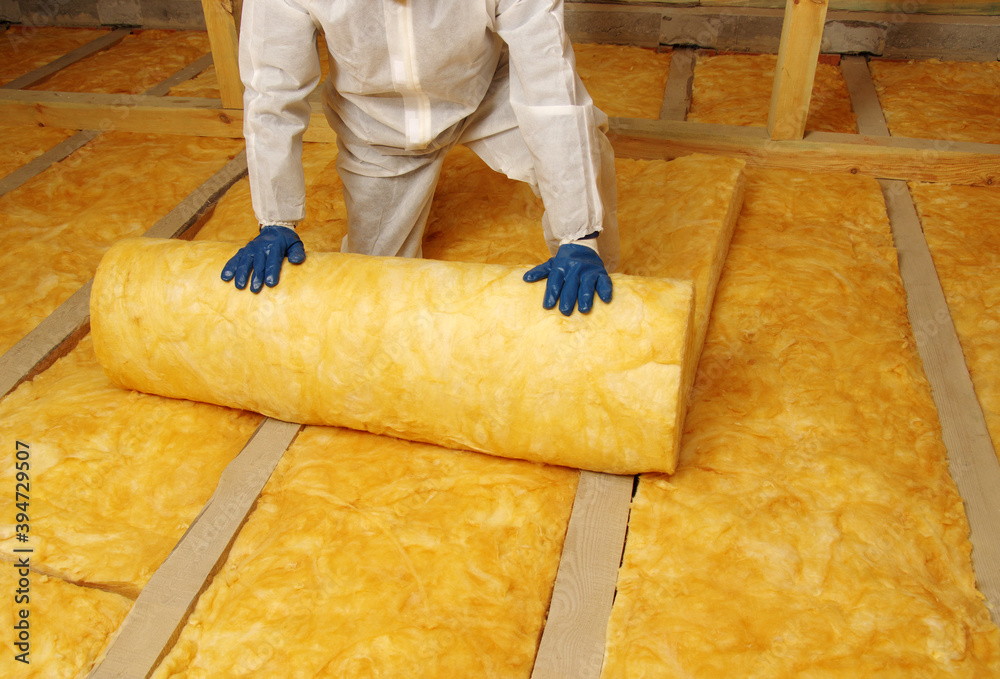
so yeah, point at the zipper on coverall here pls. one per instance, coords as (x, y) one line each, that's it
(405, 79)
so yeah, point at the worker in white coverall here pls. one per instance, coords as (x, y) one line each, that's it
(409, 79)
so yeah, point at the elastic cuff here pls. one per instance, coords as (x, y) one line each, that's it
(290, 225)
(576, 239)
(588, 243)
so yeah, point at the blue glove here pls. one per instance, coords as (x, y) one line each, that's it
(574, 274)
(263, 256)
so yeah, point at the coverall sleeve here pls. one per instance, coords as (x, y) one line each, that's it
(279, 66)
(555, 113)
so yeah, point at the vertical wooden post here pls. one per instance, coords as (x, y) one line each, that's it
(222, 19)
(801, 34)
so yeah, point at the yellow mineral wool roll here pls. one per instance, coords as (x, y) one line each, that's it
(461, 355)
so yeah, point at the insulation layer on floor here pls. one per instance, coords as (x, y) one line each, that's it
(371, 556)
(812, 529)
(933, 99)
(23, 144)
(624, 81)
(60, 223)
(117, 476)
(25, 48)
(962, 228)
(735, 89)
(67, 626)
(140, 61)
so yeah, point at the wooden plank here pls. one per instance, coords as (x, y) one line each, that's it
(220, 20)
(801, 34)
(573, 640)
(159, 613)
(890, 158)
(137, 113)
(971, 457)
(186, 73)
(677, 94)
(972, 460)
(864, 98)
(59, 332)
(956, 7)
(39, 74)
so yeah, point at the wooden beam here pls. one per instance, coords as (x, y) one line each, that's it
(574, 637)
(159, 613)
(887, 158)
(677, 93)
(955, 7)
(971, 457)
(39, 74)
(223, 34)
(137, 113)
(864, 97)
(801, 34)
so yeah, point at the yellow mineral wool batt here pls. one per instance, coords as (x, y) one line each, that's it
(457, 354)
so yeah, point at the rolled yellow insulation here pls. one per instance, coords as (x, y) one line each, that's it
(116, 476)
(461, 355)
(812, 528)
(67, 626)
(140, 61)
(962, 228)
(25, 48)
(735, 89)
(372, 556)
(932, 99)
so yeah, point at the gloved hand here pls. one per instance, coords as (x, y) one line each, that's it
(263, 256)
(574, 274)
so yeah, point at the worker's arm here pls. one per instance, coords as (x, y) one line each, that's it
(559, 123)
(279, 66)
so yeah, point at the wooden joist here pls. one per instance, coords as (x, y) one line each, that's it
(882, 157)
(162, 608)
(886, 158)
(958, 7)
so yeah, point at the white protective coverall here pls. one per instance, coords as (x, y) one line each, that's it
(408, 80)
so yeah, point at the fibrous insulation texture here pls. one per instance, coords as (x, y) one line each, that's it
(933, 99)
(460, 355)
(369, 556)
(962, 228)
(115, 476)
(53, 629)
(812, 528)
